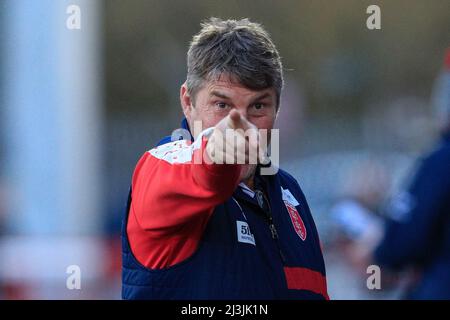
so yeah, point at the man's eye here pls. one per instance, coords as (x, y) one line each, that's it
(221, 105)
(258, 106)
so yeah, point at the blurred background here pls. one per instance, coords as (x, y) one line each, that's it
(78, 107)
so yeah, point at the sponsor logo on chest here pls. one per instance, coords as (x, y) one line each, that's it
(244, 234)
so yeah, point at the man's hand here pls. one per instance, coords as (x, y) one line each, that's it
(234, 141)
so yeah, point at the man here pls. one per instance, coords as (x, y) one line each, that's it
(201, 224)
(418, 231)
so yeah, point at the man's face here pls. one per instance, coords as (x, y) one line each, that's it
(217, 98)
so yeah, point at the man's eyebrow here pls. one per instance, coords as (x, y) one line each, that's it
(224, 96)
(219, 94)
(262, 96)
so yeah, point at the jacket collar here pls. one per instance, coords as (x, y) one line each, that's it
(185, 125)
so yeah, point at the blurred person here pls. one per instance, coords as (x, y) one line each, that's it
(215, 230)
(357, 213)
(417, 233)
(357, 228)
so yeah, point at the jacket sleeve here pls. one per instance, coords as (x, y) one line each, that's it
(173, 184)
(411, 235)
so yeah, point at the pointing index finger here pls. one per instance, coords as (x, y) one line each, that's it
(237, 121)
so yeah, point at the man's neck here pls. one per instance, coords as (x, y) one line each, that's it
(250, 183)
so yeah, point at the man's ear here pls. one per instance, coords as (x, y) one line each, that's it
(186, 101)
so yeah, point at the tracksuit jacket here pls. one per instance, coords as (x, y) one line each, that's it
(192, 231)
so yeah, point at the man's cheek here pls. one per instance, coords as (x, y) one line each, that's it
(210, 119)
(264, 122)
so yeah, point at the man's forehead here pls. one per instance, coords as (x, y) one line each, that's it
(230, 87)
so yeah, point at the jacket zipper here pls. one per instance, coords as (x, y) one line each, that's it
(272, 228)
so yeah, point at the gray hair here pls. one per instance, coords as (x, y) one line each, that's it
(238, 48)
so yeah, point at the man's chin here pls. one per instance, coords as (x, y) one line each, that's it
(247, 171)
